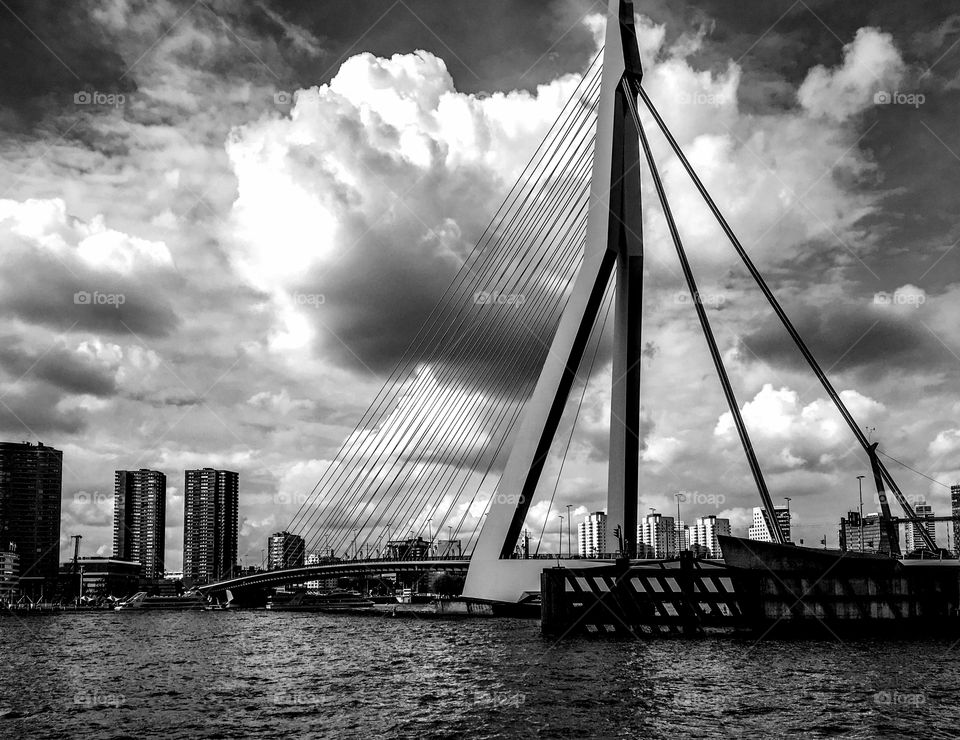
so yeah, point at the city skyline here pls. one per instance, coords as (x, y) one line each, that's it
(206, 320)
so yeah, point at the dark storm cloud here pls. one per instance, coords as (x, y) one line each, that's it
(158, 400)
(39, 289)
(56, 51)
(29, 409)
(65, 370)
(497, 45)
(847, 338)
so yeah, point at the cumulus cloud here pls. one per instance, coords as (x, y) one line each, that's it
(871, 64)
(794, 435)
(368, 195)
(64, 272)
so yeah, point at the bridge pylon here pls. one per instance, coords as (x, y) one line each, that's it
(613, 247)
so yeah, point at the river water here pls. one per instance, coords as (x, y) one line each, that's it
(260, 674)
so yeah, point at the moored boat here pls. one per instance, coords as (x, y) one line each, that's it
(331, 601)
(142, 601)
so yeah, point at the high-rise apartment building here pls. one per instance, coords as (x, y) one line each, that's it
(30, 490)
(592, 535)
(759, 530)
(704, 533)
(656, 537)
(913, 538)
(139, 517)
(285, 550)
(955, 513)
(210, 525)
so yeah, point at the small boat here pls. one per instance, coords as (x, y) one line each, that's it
(142, 601)
(331, 601)
(408, 596)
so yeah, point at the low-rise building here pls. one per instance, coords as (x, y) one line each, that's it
(9, 574)
(865, 534)
(100, 577)
(321, 584)
(447, 549)
(412, 549)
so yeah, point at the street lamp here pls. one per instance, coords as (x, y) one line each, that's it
(860, 482)
(569, 551)
(561, 535)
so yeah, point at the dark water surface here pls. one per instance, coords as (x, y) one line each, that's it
(257, 674)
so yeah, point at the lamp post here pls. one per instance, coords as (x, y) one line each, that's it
(860, 482)
(430, 536)
(561, 535)
(569, 550)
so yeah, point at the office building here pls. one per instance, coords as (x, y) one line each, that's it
(285, 550)
(875, 537)
(704, 535)
(592, 535)
(97, 577)
(415, 548)
(9, 573)
(955, 513)
(139, 515)
(210, 525)
(913, 539)
(656, 537)
(321, 584)
(30, 490)
(447, 549)
(759, 530)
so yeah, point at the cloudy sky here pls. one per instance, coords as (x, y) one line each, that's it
(177, 176)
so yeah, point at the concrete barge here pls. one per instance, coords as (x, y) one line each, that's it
(758, 587)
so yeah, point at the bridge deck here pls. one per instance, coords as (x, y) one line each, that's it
(288, 576)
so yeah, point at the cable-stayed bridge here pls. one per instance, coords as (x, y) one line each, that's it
(475, 422)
